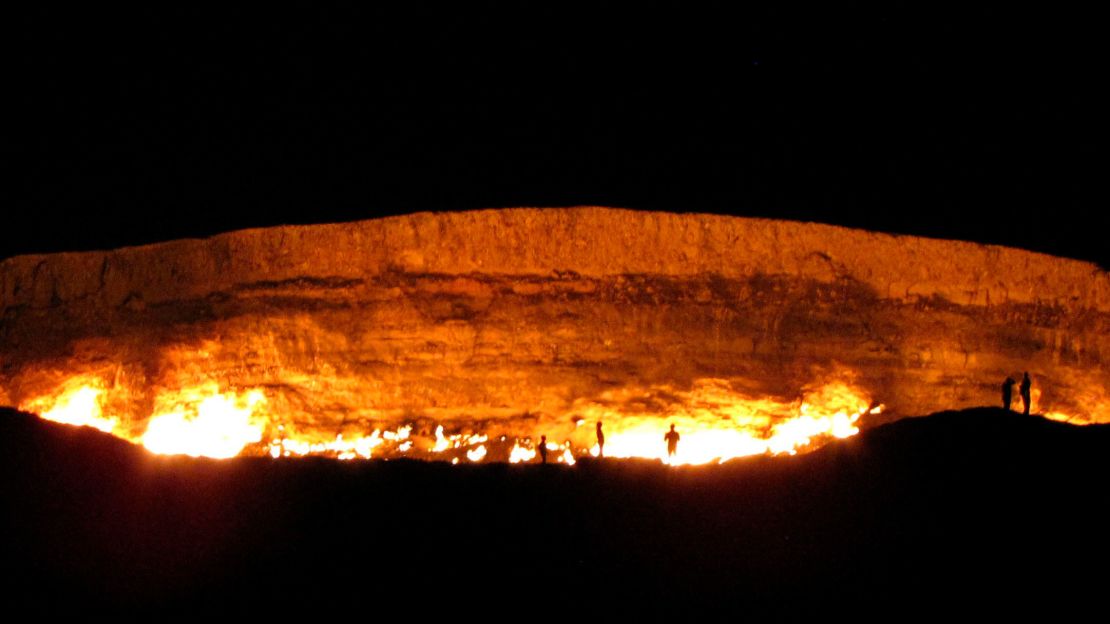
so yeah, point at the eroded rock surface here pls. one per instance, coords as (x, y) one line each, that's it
(522, 314)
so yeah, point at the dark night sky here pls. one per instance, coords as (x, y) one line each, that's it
(135, 128)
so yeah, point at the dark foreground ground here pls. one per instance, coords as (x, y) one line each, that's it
(977, 510)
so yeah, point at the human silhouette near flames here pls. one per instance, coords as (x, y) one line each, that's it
(542, 448)
(1008, 393)
(1026, 384)
(672, 441)
(1024, 390)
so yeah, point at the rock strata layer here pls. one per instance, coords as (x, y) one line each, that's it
(531, 313)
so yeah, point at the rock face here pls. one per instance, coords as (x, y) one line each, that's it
(526, 314)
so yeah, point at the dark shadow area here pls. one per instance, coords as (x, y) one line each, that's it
(999, 510)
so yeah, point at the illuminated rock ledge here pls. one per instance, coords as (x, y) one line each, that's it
(751, 335)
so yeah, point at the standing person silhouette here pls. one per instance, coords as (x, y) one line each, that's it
(543, 449)
(1026, 384)
(1007, 393)
(600, 440)
(672, 441)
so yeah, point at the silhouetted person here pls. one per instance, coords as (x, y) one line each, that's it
(1026, 384)
(543, 449)
(672, 441)
(1007, 393)
(600, 440)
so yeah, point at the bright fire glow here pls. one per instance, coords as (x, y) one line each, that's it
(442, 443)
(716, 423)
(204, 423)
(521, 454)
(357, 447)
(77, 402)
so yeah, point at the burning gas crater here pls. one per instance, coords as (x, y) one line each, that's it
(716, 424)
(466, 337)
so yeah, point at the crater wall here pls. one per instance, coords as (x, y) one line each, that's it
(529, 313)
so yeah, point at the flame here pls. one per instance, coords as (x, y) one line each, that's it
(716, 423)
(524, 452)
(202, 422)
(442, 443)
(521, 454)
(401, 434)
(357, 447)
(77, 402)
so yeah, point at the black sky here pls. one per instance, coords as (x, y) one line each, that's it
(134, 128)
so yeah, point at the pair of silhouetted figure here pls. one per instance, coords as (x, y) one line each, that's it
(671, 438)
(1024, 389)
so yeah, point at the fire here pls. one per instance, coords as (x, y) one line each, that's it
(204, 423)
(442, 443)
(359, 447)
(521, 454)
(567, 457)
(716, 422)
(199, 421)
(77, 402)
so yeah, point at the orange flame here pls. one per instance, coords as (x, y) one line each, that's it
(716, 423)
(77, 402)
(202, 422)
